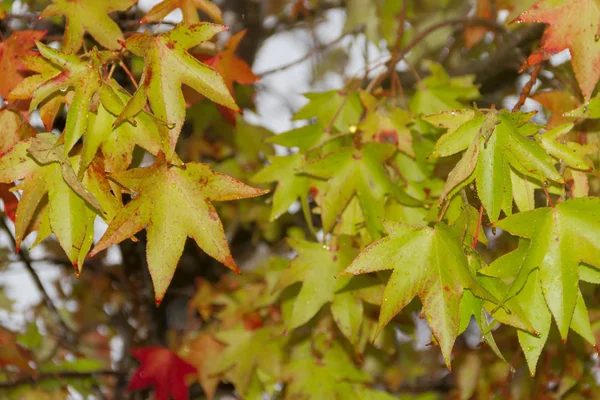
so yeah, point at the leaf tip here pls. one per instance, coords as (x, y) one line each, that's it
(158, 301)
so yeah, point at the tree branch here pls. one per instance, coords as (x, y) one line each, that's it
(59, 375)
(65, 332)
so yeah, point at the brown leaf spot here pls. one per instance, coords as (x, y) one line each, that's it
(313, 192)
(388, 136)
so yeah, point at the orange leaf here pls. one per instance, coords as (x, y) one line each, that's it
(573, 25)
(12, 70)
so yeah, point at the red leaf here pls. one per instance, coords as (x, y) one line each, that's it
(573, 25)
(9, 199)
(11, 69)
(163, 370)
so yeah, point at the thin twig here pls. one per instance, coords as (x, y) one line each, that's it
(59, 375)
(311, 53)
(391, 64)
(527, 88)
(23, 254)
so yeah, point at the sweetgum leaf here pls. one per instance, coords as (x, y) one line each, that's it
(71, 209)
(291, 185)
(316, 266)
(202, 351)
(561, 238)
(362, 173)
(497, 144)
(248, 351)
(167, 66)
(12, 71)
(573, 25)
(88, 16)
(173, 203)
(83, 77)
(189, 9)
(426, 262)
(117, 140)
(340, 111)
(438, 92)
(572, 154)
(163, 370)
(330, 377)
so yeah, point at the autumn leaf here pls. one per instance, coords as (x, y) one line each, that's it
(426, 262)
(203, 351)
(117, 139)
(167, 66)
(189, 9)
(554, 233)
(573, 25)
(71, 206)
(11, 50)
(232, 69)
(162, 370)
(81, 76)
(88, 16)
(174, 203)
(558, 103)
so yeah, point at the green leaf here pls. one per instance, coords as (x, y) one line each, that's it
(572, 154)
(438, 92)
(71, 206)
(88, 16)
(341, 111)
(561, 238)
(82, 77)
(174, 203)
(496, 145)
(426, 262)
(291, 185)
(322, 379)
(317, 266)
(248, 351)
(356, 172)
(167, 66)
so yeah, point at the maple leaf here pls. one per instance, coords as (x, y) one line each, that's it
(426, 262)
(91, 16)
(174, 203)
(496, 145)
(189, 9)
(356, 172)
(83, 77)
(573, 25)
(554, 233)
(71, 207)
(249, 351)
(11, 50)
(162, 369)
(167, 66)
(202, 352)
(316, 267)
